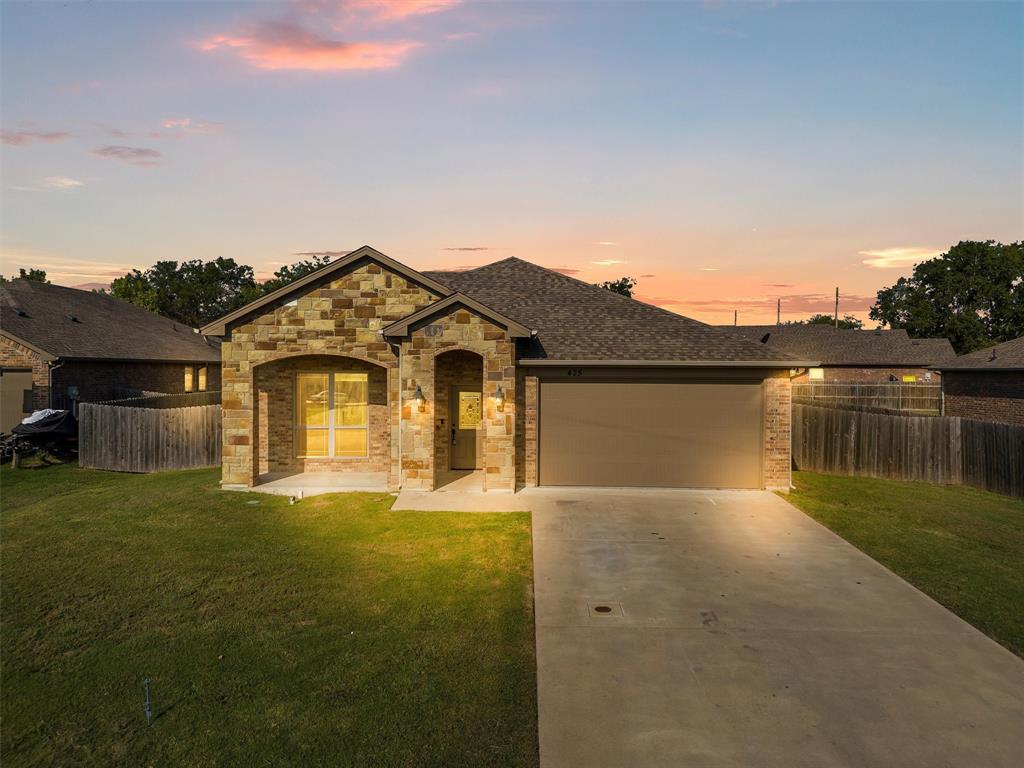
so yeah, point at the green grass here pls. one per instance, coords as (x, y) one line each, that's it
(961, 546)
(331, 632)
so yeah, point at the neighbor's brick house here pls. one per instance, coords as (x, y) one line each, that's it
(56, 341)
(848, 356)
(371, 368)
(987, 385)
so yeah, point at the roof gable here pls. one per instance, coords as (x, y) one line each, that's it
(59, 322)
(515, 329)
(219, 327)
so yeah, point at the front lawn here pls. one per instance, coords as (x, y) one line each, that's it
(961, 546)
(329, 632)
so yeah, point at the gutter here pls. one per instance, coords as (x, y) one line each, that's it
(547, 363)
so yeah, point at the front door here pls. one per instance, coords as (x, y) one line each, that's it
(465, 413)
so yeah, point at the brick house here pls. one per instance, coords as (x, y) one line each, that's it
(850, 356)
(509, 374)
(59, 345)
(987, 384)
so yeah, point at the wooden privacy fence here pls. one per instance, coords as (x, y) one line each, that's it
(933, 449)
(923, 398)
(146, 437)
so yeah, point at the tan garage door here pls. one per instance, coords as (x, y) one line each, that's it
(666, 434)
(15, 404)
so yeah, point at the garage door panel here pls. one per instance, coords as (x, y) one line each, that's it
(650, 434)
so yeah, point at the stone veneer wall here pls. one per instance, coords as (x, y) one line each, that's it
(275, 383)
(778, 420)
(454, 368)
(342, 317)
(459, 329)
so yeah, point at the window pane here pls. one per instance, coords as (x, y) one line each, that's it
(312, 442)
(817, 374)
(311, 395)
(350, 398)
(349, 442)
(188, 378)
(202, 379)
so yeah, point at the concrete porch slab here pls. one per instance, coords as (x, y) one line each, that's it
(304, 484)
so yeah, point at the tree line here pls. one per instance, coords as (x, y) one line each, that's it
(972, 295)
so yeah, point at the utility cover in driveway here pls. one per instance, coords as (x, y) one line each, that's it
(664, 434)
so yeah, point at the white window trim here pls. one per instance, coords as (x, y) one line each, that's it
(330, 427)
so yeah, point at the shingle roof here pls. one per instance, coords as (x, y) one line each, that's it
(578, 321)
(850, 347)
(1008, 356)
(69, 323)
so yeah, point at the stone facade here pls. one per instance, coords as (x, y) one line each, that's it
(778, 419)
(984, 395)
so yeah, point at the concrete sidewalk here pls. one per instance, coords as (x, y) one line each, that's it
(690, 628)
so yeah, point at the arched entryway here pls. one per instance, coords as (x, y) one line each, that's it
(325, 417)
(459, 430)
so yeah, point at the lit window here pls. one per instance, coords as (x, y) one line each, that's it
(909, 379)
(331, 415)
(189, 379)
(202, 378)
(816, 374)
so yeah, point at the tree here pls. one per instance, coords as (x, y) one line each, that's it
(192, 292)
(624, 286)
(292, 272)
(38, 275)
(847, 322)
(973, 295)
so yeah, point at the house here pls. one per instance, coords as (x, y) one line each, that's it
(510, 374)
(987, 384)
(853, 356)
(62, 345)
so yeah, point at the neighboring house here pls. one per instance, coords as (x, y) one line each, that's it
(62, 345)
(519, 373)
(853, 356)
(987, 384)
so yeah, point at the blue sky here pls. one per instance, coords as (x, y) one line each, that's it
(726, 154)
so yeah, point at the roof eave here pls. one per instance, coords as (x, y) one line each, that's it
(48, 357)
(219, 327)
(778, 364)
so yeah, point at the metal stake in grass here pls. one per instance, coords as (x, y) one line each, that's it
(148, 708)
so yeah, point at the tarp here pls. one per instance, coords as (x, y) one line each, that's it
(55, 423)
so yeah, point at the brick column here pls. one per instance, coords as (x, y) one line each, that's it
(777, 422)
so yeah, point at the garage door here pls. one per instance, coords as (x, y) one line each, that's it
(15, 398)
(666, 434)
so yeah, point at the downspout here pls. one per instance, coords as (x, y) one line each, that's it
(50, 368)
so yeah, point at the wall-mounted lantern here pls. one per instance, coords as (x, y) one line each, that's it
(420, 398)
(499, 398)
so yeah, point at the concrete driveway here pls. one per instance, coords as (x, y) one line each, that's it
(739, 632)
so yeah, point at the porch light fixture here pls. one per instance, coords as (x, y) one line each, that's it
(420, 398)
(499, 398)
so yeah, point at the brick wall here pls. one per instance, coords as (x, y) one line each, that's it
(275, 382)
(988, 396)
(868, 375)
(98, 380)
(455, 368)
(777, 425)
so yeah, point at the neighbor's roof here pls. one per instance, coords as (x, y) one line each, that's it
(834, 346)
(1008, 356)
(59, 322)
(578, 322)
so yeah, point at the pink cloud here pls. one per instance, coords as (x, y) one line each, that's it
(284, 45)
(24, 138)
(141, 156)
(800, 303)
(391, 10)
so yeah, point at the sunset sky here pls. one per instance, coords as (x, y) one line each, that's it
(725, 154)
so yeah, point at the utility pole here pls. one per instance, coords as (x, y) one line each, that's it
(837, 306)
(778, 311)
(735, 317)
